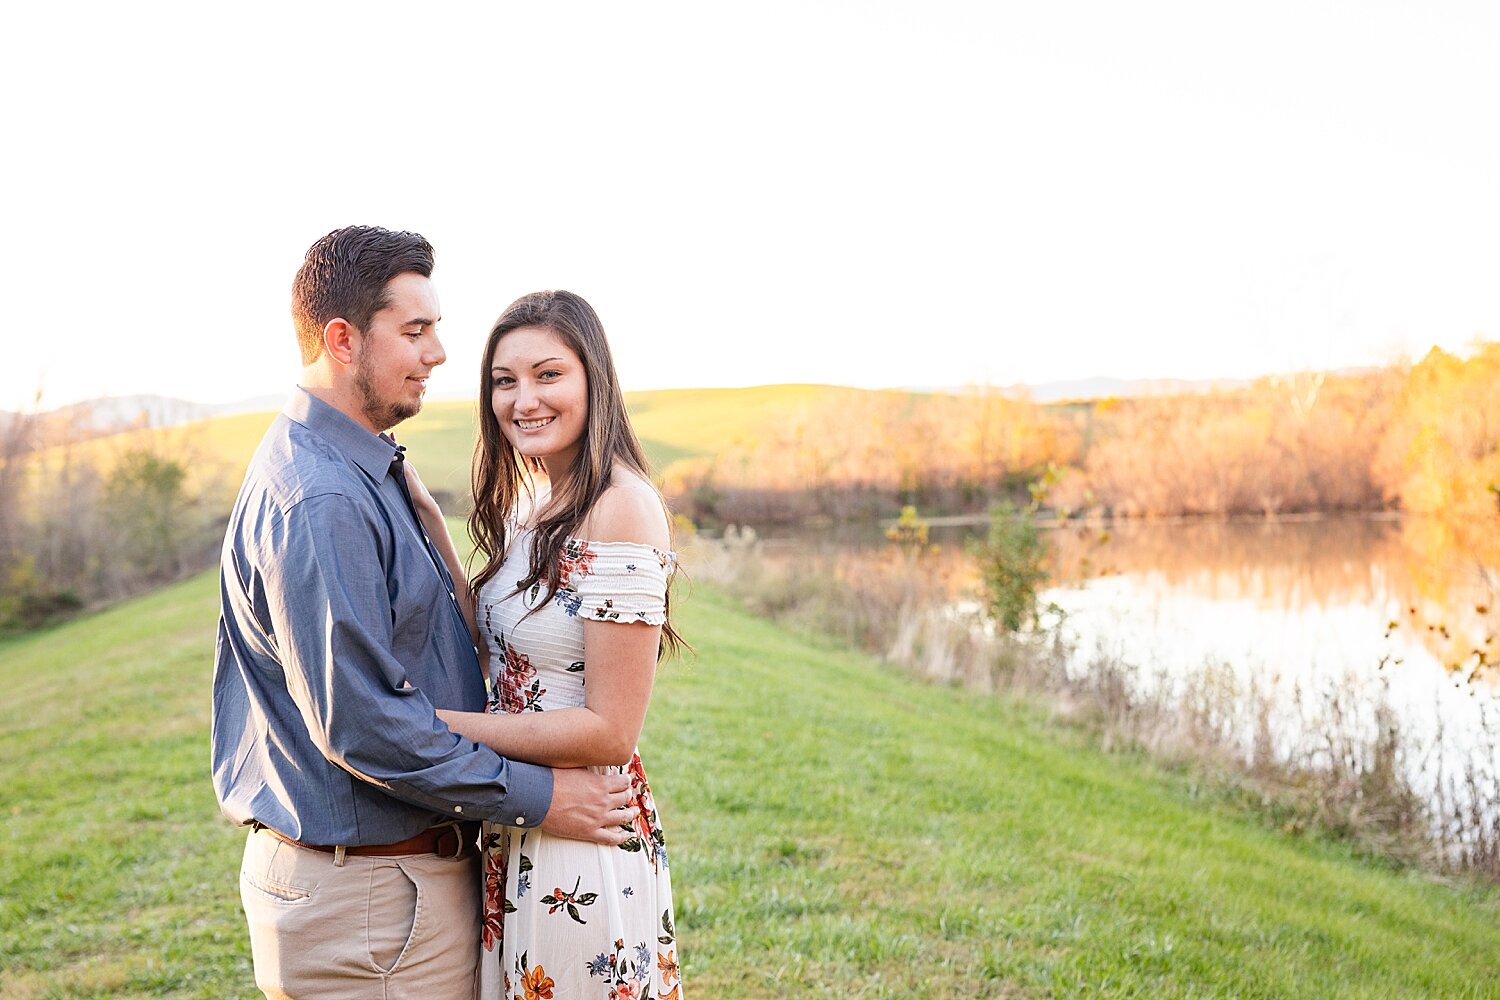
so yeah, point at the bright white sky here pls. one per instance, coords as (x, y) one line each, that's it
(868, 194)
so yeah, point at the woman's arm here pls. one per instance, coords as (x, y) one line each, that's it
(436, 527)
(621, 662)
(621, 659)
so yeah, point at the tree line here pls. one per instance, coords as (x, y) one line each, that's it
(1420, 437)
(83, 522)
(86, 521)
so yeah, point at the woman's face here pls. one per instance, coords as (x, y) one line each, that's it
(540, 395)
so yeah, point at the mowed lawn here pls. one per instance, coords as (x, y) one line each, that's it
(836, 830)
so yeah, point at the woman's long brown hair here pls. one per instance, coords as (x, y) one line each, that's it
(501, 474)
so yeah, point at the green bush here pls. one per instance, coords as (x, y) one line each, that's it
(1012, 560)
(146, 500)
(28, 602)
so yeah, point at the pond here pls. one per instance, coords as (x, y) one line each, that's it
(1346, 611)
(1313, 630)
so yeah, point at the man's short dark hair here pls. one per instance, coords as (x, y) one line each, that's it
(344, 277)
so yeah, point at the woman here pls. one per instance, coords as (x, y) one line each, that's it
(572, 605)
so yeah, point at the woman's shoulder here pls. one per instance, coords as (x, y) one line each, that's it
(629, 510)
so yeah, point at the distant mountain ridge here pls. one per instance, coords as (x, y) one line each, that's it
(111, 415)
(108, 414)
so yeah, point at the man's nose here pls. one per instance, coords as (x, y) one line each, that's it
(435, 354)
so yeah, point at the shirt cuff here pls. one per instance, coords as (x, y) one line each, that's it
(528, 796)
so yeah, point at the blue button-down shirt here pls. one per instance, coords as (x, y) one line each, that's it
(331, 601)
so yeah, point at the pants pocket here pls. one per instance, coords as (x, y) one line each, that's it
(395, 906)
(274, 890)
(269, 872)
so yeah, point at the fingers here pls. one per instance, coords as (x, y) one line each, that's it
(595, 807)
(619, 821)
(620, 827)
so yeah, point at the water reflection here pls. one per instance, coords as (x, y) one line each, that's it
(1302, 626)
(1291, 594)
(1309, 627)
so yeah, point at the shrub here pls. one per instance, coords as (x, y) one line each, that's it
(28, 602)
(1012, 561)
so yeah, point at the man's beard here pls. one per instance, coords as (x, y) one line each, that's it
(382, 414)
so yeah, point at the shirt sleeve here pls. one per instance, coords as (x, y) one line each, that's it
(330, 611)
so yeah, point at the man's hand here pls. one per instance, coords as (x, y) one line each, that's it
(589, 806)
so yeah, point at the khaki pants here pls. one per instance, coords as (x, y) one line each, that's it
(373, 928)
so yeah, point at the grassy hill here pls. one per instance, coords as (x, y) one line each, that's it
(684, 423)
(837, 830)
(672, 423)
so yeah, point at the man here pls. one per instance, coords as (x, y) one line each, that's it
(339, 635)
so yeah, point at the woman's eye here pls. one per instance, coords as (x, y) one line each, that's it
(551, 374)
(504, 382)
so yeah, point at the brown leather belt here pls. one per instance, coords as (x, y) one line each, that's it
(450, 840)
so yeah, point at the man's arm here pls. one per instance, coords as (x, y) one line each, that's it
(331, 614)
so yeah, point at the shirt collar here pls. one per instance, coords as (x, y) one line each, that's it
(371, 452)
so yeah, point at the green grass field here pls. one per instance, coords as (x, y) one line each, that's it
(836, 830)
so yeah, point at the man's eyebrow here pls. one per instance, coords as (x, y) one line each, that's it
(422, 321)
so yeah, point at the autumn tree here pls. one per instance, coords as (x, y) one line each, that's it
(1442, 452)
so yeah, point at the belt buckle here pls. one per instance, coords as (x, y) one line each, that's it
(458, 840)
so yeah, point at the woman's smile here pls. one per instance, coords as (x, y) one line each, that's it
(540, 396)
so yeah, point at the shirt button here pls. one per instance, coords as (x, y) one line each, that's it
(520, 821)
(458, 809)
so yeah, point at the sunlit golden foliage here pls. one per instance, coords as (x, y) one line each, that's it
(909, 531)
(1441, 454)
(867, 453)
(1424, 438)
(1285, 444)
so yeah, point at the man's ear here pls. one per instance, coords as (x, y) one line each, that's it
(339, 336)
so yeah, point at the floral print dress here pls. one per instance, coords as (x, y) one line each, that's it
(565, 919)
